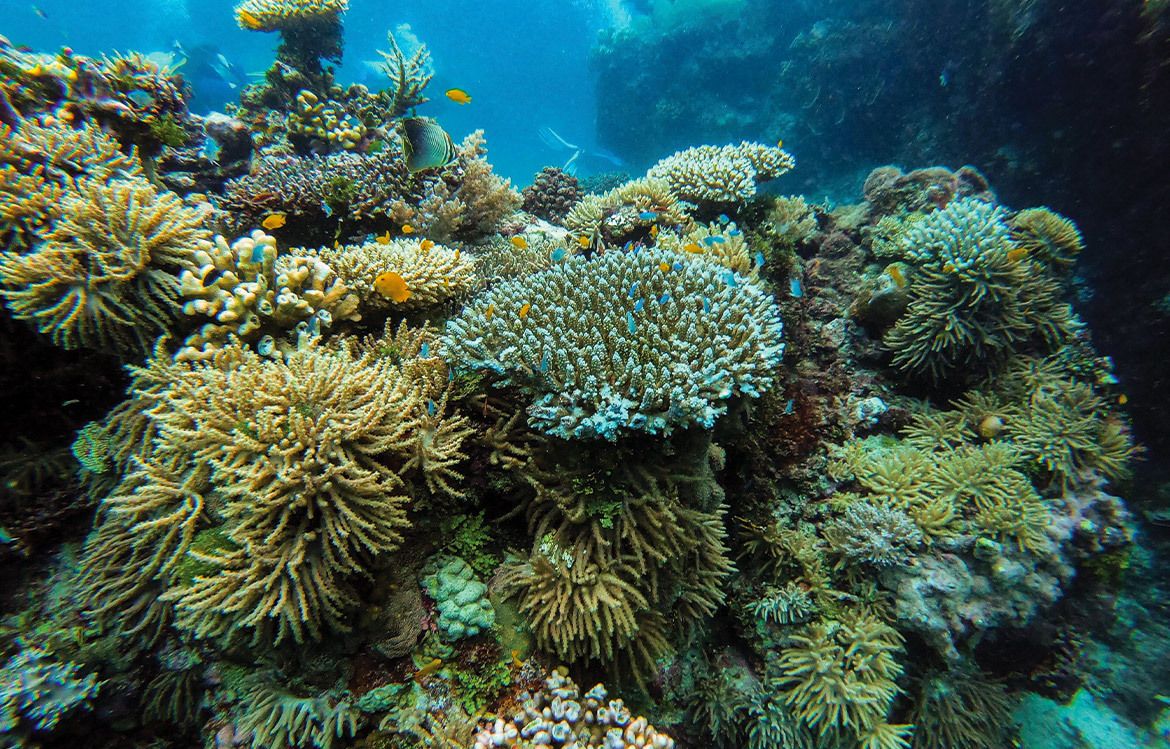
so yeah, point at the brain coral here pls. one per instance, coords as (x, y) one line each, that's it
(721, 173)
(624, 341)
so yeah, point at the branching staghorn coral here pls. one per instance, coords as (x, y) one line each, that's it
(432, 274)
(409, 76)
(309, 456)
(107, 274)
(721, 174)
(254, 295)
(840, 677)
(976, 297)
(625, 341)
(468, 201)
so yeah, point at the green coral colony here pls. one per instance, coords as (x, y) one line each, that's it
(396, 457)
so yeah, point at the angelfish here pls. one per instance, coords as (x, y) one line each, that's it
(427, 146)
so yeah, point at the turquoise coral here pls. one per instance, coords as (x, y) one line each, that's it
(36, 692)
(464, 609)
(628, 341)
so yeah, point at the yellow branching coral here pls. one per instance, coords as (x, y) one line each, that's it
(788, 222)
(432, 274)
(725, 245)
(64, 151)
(28, 204)
(253, 294)
(309, 455)
(1048, 237)
(721, 174)
(840, 675)
(107, 274)
(634, 206)
(274, 15)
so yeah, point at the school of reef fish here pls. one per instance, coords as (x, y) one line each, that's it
(392, 454)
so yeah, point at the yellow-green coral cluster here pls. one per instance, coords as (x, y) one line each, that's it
(433, 274)
(253, 294)
(628, 208)
(273, 15)
(725, 244)
(325, 122)
(625, 341)
(107, 273)
(721, 174)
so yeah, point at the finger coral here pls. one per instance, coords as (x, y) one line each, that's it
(251, 293)
(624, 341)
(721, 174)
(106, 276)
(432, 274)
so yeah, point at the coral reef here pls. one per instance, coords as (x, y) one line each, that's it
(623, 341)
(256, 296)
(464, 610)
(552, 194)
(432, 274)
(626, 211)
(726, 174)
(36, 693)
(279, 15)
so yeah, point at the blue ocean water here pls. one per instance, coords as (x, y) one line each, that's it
(811, 396)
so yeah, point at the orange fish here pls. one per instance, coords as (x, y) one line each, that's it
(457, 253)
(407, 229)
(693, 248)
(780, 143)
(664, 266)
(654, 231)
(519, 242)
(459, 96)
(249, 20)
(274, 220)
(524, 310)
(427, 670)
(383, 238)
(1017, 254)
(392, 286)
(1122, 399)
(491, 310)
(426, 245)
(895, 273)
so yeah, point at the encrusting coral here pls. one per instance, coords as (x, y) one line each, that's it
(106, 275)
(255, 295)
(625, 341)
(721, 174)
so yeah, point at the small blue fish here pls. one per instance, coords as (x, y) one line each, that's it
(258, 253)
(790, 406)
(794, 288)
(706, 304)
(633, 289)
(760, 259)
(648, 215)
(544, 363)
(630, 322)
(628, 245)
(729, 279)
(713, 240)
(677, 265)
(639, 305)
(724, 219)
(210, 150)
(431, 408)
(664, 298)
(734, 232)
(328, 209)
(559, 254)
(5, 538)
(425, 351)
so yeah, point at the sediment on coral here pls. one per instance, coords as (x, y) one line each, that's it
(626, 341)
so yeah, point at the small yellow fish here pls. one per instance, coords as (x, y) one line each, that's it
(407, 229)
(457, 254)
(516, 661)
(780, 143)
(524, 310)
(894, 272)
(693, 248)
(427, 670)
(383, 238)
(459, 96)
(1122, 399)
(949, 267)
(664, 266)
(519, 242)
(392, 286)
(249, 20)
(654, 231)
(583, 241)
(427, 245)
(274, 220)
(491, 310)
(1017, 254)
(336, 243)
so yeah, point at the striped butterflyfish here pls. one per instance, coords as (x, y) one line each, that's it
(425, 144)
